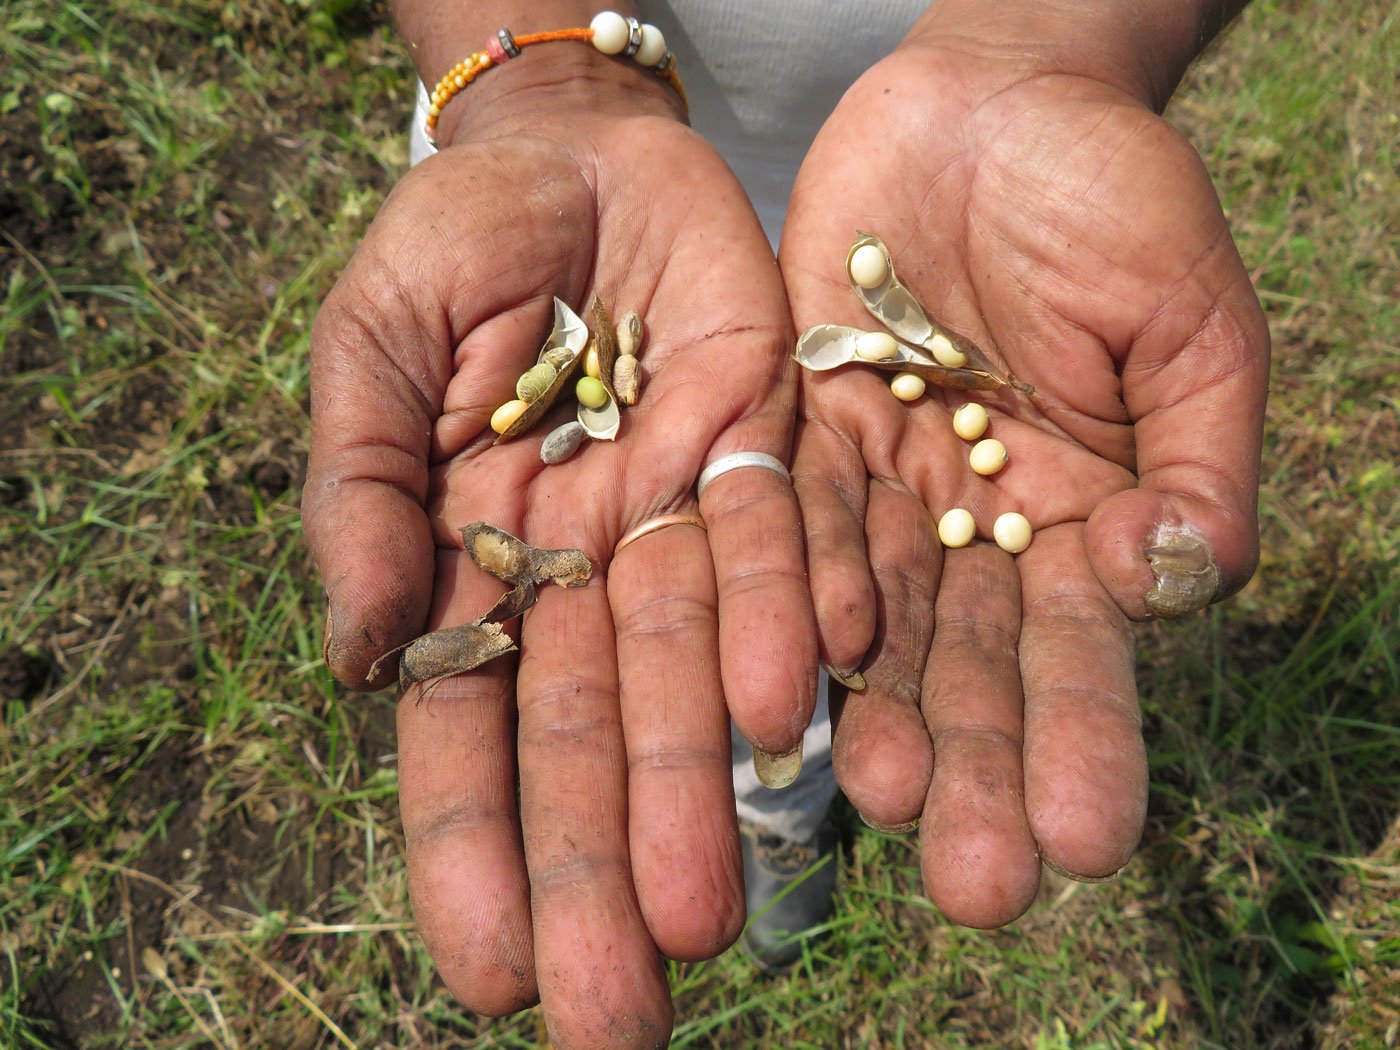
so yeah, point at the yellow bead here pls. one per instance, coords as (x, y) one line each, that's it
(876, 346)
(945, 353)
(987, 456)
(956, 528)
(503, 417)
(907, 386)
(434, 110)
(970, 421)
(1012, 532)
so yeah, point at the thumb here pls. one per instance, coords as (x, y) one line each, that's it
(1195, 382)
(367, 479)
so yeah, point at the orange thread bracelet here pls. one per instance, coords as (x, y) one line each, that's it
(609, 32)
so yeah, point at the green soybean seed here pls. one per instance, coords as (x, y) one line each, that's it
(591, 393)
(535, 382)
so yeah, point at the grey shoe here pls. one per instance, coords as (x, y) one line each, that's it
(789, 888)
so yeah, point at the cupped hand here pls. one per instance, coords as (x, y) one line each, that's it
(614, 721)
(1066, 229)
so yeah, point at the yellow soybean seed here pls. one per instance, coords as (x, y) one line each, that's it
(907, 386)
(876, 346)
(590, 392)
(1012, 532)
(868, 268)
(987, 456)
(503, 417)
(970, 421)
(945, 353)
(592, 366)
(956, 528)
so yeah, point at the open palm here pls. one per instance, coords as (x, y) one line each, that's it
(1067, 230)
(614, 718)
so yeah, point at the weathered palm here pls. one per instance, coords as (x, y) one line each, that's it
(1071, 233)
(623, 838)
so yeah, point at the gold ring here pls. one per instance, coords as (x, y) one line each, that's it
(646, 528)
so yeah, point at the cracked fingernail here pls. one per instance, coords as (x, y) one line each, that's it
(1091, 879)
(890, 829)
(852, 680)
(1186, 578)
(777, 770)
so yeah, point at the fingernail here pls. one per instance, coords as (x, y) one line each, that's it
(1186, 578)
(852, 679)
(1091, 879)
(777, 770)
(890, 829)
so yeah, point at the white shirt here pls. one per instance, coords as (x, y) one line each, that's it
(762, 76)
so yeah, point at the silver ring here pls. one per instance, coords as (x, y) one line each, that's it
(734, 461)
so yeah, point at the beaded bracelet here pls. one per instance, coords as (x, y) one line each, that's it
(610, 32)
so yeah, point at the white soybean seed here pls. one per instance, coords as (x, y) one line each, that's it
(987, 456)
(653, 47)
(1012, 532)
(945, 353)
(956, 528)
(562, 442)
(907, 386)
(876, 346)
(610, 32)
(970, 421)
(868, 267)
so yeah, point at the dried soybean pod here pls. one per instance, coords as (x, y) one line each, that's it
(453, 650)
(827, 346)
(627, 379)
(895, 307)
(570, 335)
(605, 333)
(514, 561)
(629, 334)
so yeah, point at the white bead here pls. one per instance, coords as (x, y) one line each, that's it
(1012, 532)
(987, 456)
(956, 528)
(868, 267)
(945, 353)
(653, 47)
(907, 386)
(970, 421)
(876, 346)
(610, 32)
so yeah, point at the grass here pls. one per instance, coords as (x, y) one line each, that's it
(198, 837)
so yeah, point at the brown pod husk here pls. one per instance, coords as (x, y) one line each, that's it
(571, 333)
(826, 346)
(514, 561)
(605, 336)
(456, 650)
(895, 307)
(453, 650)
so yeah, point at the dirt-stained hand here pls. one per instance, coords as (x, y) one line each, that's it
(1067, 229)
(613, 720)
